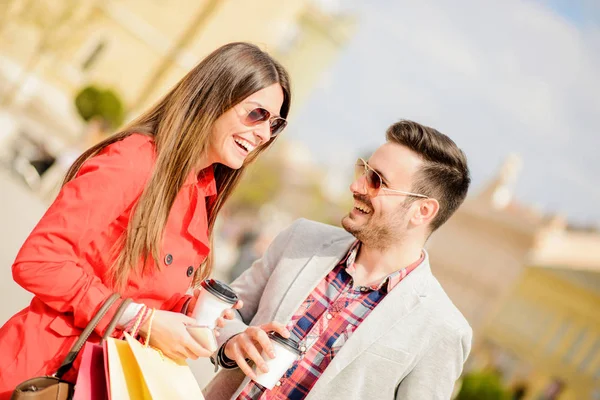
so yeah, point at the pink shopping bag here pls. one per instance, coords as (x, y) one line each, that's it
(91, 381)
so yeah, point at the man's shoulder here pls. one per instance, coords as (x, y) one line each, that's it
(313, 231)
(305, 236)
(446, 312)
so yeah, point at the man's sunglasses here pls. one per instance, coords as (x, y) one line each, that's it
(260, 115)
(374, 181)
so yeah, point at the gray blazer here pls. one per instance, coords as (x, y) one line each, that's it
(411, 346)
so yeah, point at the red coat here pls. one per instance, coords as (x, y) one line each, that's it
(65, 258)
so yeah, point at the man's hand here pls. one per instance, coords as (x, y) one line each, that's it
(250, 344)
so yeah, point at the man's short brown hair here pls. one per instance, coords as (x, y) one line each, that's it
(444, 175)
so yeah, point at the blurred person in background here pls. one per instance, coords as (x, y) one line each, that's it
(136, 212)
(370, 319)
(247, 254)
(252, 246)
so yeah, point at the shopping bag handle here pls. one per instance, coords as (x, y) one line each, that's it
(70, 358)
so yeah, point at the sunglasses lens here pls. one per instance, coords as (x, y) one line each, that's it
(373, 180)
(359, 170)
(277, 125)
(257, 116)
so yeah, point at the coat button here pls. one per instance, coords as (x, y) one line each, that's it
(190, 271)
(168, 259)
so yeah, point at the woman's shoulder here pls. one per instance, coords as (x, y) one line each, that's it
(132, 156)
(136, 150)
(136, 145)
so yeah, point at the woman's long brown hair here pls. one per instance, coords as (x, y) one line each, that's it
(180, 125)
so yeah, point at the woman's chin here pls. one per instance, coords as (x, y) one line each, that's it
(233, 162)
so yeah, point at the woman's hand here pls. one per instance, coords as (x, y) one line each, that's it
(169, 335)
(228, 314)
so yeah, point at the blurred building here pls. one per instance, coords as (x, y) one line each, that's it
(530, 287)
(50, 49)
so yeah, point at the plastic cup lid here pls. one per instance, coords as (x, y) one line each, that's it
(220, 290)
(288, 343)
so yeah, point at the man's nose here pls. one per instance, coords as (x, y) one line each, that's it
(359, 185)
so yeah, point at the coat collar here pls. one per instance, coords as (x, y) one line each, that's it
(204, 180)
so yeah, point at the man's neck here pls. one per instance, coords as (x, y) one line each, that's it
(373, 264)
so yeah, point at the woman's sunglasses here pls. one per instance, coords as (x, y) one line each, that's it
(374, 181)
(260, 115)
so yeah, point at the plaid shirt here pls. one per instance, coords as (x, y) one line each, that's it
(323, 323)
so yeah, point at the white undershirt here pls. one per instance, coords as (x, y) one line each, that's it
(129, 314)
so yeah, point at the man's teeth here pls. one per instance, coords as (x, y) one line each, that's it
(362, 208)
(245, 144)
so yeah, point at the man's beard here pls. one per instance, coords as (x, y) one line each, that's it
(378, 232)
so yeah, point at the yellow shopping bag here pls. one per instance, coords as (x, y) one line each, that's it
(124, 377)
(165, 379)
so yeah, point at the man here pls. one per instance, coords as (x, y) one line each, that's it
(371, 319)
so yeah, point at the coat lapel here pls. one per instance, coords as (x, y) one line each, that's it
(400, 302)
(317, 267)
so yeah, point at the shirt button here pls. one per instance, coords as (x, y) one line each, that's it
(168, 259)
(329, 316)
(363, 289)
(190, 271)
(278, 383)
(303, 349)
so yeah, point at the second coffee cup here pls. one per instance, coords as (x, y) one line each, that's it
(215, 297)
(286, 352)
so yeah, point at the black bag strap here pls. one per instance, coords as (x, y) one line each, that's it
(70, 358)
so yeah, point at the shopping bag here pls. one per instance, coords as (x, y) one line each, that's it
(54, 387)
(165, 379)
(91, 380)
(124, 377)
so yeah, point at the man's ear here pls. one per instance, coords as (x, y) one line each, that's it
(427, 211)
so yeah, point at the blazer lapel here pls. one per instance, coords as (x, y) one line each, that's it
(400, 302)
(317, 267)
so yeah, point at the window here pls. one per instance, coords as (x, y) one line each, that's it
(591, 355)
(93, 56)
(568, 357)
(558, 336)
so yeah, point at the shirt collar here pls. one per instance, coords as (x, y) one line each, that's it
(388, 282)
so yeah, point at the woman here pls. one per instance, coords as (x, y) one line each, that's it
(136, 212)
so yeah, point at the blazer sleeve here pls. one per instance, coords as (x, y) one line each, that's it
(49, 263)
(435, 374)
(250, 285)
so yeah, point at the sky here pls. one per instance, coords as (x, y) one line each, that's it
(501, 77)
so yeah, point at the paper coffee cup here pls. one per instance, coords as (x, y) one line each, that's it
(215, 297)
(203, 335)
(286, 352)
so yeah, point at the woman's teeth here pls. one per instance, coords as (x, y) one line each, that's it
(246, 145)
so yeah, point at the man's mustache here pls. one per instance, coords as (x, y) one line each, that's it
(363, 199)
